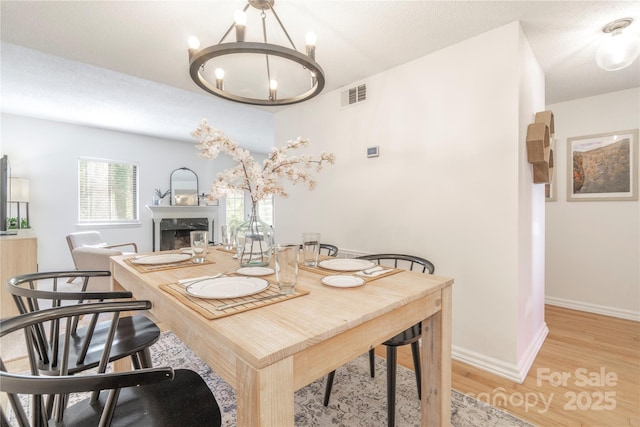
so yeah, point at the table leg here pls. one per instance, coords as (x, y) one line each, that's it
(124, 364)
(436, 362)
(265, 396)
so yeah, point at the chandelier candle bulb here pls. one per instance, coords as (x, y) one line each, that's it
(311, 39)
(273, 88)
(194, 42)
(219, 72)
(240, 18)
(194, 45)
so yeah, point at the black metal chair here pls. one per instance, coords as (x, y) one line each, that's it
(409, 336)
(145, 397)
(132, 338)
(330, 250)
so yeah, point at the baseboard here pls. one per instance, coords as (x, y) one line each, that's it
(495, 366)
(511, 371)
(594, 308)
(525, 362)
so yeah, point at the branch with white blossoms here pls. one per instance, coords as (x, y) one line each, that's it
(248, 175)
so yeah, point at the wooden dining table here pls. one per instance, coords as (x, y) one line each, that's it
(267, 352)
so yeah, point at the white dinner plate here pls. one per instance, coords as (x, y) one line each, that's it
(161, 259)
(255, 271)
(345, 264)
(343, 281)
(227, 287)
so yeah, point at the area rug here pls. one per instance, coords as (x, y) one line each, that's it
(356, 398)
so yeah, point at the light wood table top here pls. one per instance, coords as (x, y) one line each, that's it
(269, 352)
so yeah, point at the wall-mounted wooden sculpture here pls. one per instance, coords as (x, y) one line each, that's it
(539, 147)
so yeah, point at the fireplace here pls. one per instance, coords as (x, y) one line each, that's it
(175, 232)
(172, 224)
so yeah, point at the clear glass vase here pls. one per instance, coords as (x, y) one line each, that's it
(254, 241)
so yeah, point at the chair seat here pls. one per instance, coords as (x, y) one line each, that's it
(407, 336)
(155, 405)
(133, 334)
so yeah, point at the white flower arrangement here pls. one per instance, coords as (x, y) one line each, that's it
(248, 175)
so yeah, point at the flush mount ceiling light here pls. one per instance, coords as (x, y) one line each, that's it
(257, 72)
(617, 50)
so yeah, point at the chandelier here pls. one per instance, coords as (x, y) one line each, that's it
(257, 72)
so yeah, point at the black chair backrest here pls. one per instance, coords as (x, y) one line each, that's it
(413, 262)
(330, 250)
(30, 299)
(49, 393)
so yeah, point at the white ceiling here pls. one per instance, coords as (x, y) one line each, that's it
(124, 64)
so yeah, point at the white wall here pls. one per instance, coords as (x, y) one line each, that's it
(446, 186)
(593, 248)
(532, 329)
(47, 154)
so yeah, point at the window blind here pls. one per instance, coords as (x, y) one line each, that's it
(108, 191)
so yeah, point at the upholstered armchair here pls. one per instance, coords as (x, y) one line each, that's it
(87, 258)
(90, 252)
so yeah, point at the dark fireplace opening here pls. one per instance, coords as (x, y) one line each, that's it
(174, 232)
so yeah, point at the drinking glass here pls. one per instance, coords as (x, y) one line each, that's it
(199, 243)
(310, 248)
(287, 267)
(228, 237)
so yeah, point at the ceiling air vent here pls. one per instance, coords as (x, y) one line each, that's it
(353, 95)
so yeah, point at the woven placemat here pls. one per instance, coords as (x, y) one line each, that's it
(325, 272)
(222, 249)
(207, 307)
(151, 268)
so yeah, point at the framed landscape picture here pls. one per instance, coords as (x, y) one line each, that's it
(603, 167)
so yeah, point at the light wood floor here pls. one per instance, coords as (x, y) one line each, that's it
(580, 347)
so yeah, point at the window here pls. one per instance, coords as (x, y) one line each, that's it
(235, 208)
(265, 210)
(108, 191)
(236, 214)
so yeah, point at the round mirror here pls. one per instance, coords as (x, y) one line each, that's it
(184, 187)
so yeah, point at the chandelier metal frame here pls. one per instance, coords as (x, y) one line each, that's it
(199, 58)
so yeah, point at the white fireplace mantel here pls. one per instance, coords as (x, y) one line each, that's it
(158, 213)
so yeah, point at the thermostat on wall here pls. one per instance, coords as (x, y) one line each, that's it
(372, 151)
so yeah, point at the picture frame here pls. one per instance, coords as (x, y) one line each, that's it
(603, 167)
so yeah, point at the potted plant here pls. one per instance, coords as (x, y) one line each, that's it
(158, 196)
